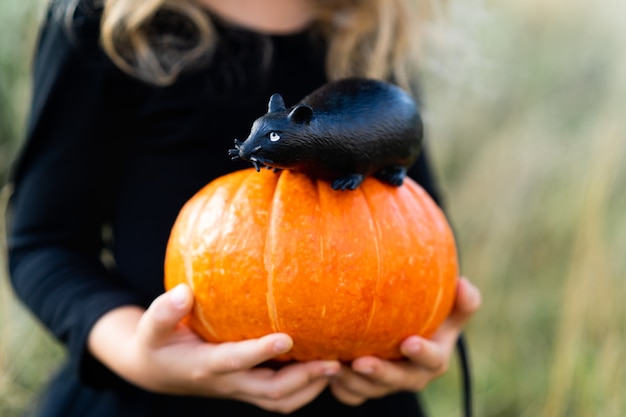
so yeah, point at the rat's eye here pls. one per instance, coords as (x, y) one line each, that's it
(274, 137)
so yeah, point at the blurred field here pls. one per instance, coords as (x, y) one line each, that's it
(526, 111)
(27, 354)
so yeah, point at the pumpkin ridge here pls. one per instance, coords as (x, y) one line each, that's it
(427, 212)
(376, 238)
(430, 207)
(188, 260)
(201, 315)
(267, 261)
(194, 213)
(207, 197)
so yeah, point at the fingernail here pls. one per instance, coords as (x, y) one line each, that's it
(282, 346)
(473, 293)
(413, 346)
(178, 296)
(332, 369)
(365, 370)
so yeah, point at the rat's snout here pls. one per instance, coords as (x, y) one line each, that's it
(237, 152)
(243, 150)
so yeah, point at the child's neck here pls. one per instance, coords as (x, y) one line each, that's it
(269, 16)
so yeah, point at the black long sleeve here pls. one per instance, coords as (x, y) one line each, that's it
(62, 188)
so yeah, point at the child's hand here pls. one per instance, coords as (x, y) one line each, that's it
(156, 352)
(426, 359)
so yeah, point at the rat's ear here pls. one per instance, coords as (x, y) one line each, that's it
(276, 104)
(301, 114)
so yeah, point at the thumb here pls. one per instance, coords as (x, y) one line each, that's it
(164, 314)
(468, 301)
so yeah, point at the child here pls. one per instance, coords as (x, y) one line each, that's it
(134, 105)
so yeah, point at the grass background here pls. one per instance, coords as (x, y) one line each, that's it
(526, 111)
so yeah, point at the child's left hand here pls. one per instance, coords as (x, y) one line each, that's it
(426, 359)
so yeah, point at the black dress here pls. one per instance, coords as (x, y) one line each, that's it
(107, 152)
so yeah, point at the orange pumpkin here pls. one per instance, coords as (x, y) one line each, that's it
(346, 274)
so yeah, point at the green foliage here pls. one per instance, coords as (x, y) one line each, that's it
(525, 109)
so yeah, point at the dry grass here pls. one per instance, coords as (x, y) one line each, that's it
(525, 106)
(530, 141)
(27, 353)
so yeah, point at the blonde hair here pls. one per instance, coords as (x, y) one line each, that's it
(370, 38)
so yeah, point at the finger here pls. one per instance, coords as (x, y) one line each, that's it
(289, 380)
(379, 377)
(434, 354)
(295, 400)
(344, 395)
(468, 301)
(365, 379)
(429, 354)
(164, 314)
(358, 383)
(237, 356)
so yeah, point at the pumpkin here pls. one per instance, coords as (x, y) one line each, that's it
(345, 274)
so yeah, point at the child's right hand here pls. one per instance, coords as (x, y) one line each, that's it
(153, 350)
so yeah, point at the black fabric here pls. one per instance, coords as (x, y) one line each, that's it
(105, 151)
